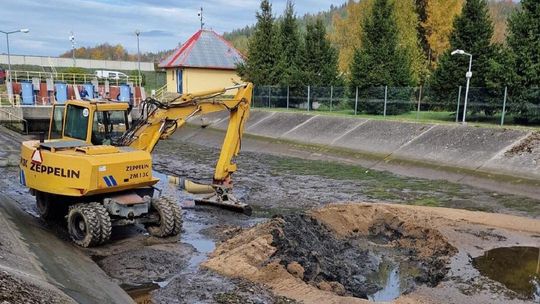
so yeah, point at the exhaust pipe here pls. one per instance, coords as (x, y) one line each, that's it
(191, 187)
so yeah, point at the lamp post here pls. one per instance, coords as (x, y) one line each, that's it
(72, 39)
(10, 86)
(7, 43)
(468, 75)
(138, 33)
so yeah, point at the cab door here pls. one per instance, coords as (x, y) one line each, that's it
(56, 124)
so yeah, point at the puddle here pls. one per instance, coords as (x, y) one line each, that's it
(517, 268)
(141, 294)
(394, 278)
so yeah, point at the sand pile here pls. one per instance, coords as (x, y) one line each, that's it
(334, 254)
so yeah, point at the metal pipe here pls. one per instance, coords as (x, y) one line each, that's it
(189, 186)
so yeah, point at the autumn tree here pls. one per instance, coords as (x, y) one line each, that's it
(472, 32)
(439, 25)
(260, 64)
(347, 30)
(380, 61)
(524, 43)
(407, 22)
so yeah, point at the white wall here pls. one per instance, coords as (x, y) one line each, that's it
(83, 63)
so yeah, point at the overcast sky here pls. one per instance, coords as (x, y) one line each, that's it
(163, 23)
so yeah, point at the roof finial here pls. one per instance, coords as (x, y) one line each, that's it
(200, 14)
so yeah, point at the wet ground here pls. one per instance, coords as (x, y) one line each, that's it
(167, 271)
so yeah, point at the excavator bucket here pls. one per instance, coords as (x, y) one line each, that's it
(227, 205)
(218, 196)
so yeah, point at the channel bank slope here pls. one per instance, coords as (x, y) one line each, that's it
(459, 153)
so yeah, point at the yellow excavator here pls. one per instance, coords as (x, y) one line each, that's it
(95, 169)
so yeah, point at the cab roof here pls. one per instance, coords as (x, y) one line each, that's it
(100, 105)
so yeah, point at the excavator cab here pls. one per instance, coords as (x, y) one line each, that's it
(96, 123)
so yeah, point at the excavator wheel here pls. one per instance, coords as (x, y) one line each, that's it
(170, 218)
(104, 221)
(48, 208)
(88, 224)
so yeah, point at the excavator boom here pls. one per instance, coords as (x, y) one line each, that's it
(160, 120)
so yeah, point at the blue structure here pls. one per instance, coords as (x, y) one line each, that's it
(27, 90)
(90, 89)
(125, 93)
(61, 92)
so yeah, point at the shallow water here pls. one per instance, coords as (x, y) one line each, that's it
(517, 268)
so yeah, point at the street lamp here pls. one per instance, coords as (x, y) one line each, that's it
(468, 75)
(7, 42)
(138, 33)
(73, 43)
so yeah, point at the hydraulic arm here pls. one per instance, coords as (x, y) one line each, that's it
(160, 120)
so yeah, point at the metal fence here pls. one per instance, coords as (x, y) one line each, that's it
(496, 106)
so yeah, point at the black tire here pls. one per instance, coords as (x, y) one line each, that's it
(84, 225)
(104, 221)
(167, 223)
(50, 207)
(177, 211)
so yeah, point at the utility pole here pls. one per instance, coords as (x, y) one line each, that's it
(200, 14)
(138, 33)
(72, 39)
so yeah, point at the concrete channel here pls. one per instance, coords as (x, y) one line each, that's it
(290, 164)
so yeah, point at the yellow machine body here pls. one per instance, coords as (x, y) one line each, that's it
(74, 165)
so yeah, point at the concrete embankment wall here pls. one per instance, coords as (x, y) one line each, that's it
(501, 151)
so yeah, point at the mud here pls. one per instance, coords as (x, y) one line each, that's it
(322, 256)
(220, 258)
(14, 289)
(349, 265)
(274, 184)
(527, 145)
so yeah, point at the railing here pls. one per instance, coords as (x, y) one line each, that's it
(486, 105)
(158, 93)
(18, 120)
(72, 78)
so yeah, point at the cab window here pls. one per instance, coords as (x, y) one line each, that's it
(57, 122)
(108, 126)
(76, 122)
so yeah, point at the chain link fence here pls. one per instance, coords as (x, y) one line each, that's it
(495, 106)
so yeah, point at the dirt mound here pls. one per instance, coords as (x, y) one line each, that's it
(336, 255)
(348, 264)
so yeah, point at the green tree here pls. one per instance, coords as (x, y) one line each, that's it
(472, 32)
(320, 58)
(524, 43)
(262, 58)
(289, 61)
(380, 61)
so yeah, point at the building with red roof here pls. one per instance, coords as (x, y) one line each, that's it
(205, 61)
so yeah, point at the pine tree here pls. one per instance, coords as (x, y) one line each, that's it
(380, 61)
(320, 58)
(288, 67)
(472, 32)
(259, 66)
(524, 43)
